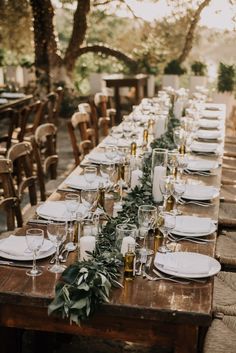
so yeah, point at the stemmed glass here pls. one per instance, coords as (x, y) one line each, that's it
(89, 196)
(165, 222)
(172, 162)
(179, 188)
(182, 163)
(107, 172)
(90, 173)
(147, 215)
(179, 138)
(72, 204)
(34, 239)
(166, 187)
(111, 153)
(57, 234)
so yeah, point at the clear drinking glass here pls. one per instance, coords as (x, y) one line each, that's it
(125, 235)
(172, 162)
(159, 158)
(182, 163)
(72, 204)
(90, 173)
(34, 239)
(111, 153)
(179, 137)
(179, 187)
(57, 234)
(147, 215)
(166, 222)
(166, 187)
(107, 172)
(89, 197)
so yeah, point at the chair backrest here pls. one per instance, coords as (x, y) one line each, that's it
(8, 122)
(90, 109)
(21, 156)
(35, 117)
(9, 203)
(53, 106)
(101, 102)
(81, 121)
(45, 153)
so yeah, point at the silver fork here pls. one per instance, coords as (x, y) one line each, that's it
(161, 275)
(191, 239)
(198, 203)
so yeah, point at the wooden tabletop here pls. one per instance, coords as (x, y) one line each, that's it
(143, 311)
(16, 103)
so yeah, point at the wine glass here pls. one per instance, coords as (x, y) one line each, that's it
(127, 129)
(89, 197)
(179, 136)
(179, 187)
(165, 222)
(182, 163)
(34, 240)
(72, 204)
(172, 162)
(90, 173)
(111, 153)
(147, 215)
(166, 187)
(107, 172)
(125, 235)
(57, 234)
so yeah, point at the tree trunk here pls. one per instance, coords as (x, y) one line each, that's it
(45, 42)
(190, 34)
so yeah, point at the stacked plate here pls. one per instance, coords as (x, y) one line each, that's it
(201, 165)
(209, 124)
(193, 226)
(15, 248)
(208, 134)
(100, 158)
(79, 182)
(203, 147)
(200, 192)
(57, 211)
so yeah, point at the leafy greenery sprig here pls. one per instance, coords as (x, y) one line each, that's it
(86, 284)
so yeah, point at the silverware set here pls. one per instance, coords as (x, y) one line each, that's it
(201, 173)
(196, 240)
(195, 202)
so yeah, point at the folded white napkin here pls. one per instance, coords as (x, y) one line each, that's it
(202, 165)
(183, 263)
(99, 157)
(193, 224)
(209, 124)
(204, 147)
(200, 192)
(208, 134)
(17, 246)
(210, 114)
(79, 182)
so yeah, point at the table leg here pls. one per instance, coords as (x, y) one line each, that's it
(117, 102)
(10, 340)
(187, 339)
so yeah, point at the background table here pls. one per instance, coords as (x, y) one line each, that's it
(139, 82)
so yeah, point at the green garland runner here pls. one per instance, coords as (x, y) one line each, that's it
(86, 284)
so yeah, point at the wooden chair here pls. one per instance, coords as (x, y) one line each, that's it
(45, 154)
(80, 149)
(9, 202)
(89, 108)
(8, 123)
(21, 156)
(101, 102)
(53, 105)
(226, 249)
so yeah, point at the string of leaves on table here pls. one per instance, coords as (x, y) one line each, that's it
(85, 285)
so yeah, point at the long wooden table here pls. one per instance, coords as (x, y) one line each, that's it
(16, 103)
(161, 313)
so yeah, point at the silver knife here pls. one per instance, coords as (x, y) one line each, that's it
(15, 264)
(37, 221)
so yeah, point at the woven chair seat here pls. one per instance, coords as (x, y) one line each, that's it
(226, 249)
(221, 336)
(227, 214)
(228, 193)
(224, 293)
(228, 176)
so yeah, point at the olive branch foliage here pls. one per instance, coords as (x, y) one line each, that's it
(85, 285)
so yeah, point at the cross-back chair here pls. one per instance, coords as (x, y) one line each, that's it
(8, 123)
(79, 121)
(45, 153)
(21, 156)
(9, 202)
(101, 102)
(53, 105)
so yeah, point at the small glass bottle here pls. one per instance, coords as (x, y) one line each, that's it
(129, 263)
(121, 171)
(158, 238)
(133, 149)
(170, 203)
(182, 149)
(101, 196)
(145, 136)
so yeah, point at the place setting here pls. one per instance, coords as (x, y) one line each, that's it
(201, 167)
(198, 194)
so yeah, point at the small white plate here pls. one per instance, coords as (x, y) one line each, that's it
(64, 216)
(41, 255)
(187, 259)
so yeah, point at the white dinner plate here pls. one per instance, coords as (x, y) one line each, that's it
(41, 255)
(201, 265)
(79, 182)
(12, 95)
(50, 209)
(194, 235)
(202, 165)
